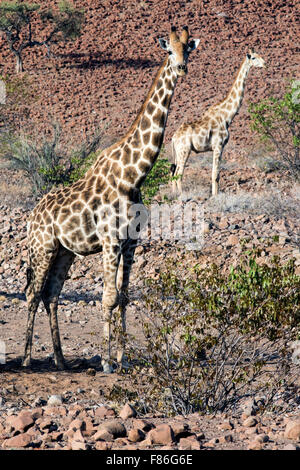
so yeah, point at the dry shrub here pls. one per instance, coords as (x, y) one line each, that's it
(212, 339)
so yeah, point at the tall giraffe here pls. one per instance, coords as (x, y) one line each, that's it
(211, 131)
(93, 214)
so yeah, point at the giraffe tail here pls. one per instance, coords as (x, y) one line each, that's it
(29, 276)
(173, 165)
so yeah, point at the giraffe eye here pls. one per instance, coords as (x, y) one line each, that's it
(170, 52)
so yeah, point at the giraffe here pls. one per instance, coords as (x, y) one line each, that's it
(94, 214)
(211, 131)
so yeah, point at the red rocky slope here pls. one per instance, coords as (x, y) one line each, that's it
(104, 76)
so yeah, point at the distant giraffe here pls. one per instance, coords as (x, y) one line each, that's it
(211, 131)
(93, 214)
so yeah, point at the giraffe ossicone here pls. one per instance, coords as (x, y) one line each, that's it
(93, 214)
(210, 132)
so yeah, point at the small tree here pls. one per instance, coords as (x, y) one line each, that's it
(16, 24)
(278, 122)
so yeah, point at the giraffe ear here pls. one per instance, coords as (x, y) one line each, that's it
(164, 44)
(193, 44)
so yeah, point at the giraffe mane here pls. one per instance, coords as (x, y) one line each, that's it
(143, 107)
(233, 84)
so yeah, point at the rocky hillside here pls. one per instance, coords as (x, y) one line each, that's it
(103, 77)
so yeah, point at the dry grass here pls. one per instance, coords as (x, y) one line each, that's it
(263, 158)
(16, 193)
(205, 160)
(269, 202)
(192, 190)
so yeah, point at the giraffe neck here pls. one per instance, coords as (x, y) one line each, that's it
(233, 101)
(124, 166)
(146, 134)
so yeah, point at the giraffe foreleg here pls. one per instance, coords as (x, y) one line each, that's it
(217, 155)
(128, 251)
(110, 299)
(174, 165)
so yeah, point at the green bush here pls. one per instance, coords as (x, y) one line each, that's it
(277, 121)
(158, 176)
(208, 335)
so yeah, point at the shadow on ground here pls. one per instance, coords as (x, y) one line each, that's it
(73, 364)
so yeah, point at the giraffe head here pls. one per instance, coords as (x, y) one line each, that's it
(179, 49)
(255, 60)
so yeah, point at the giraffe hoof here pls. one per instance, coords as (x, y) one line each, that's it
(123, 364)
(60, 366)
(107, 368)
(26, 362)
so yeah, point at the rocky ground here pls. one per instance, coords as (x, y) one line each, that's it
(78, 426)
(93, 82)
(87, 414)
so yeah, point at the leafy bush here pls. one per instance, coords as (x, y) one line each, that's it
(278, 122)
(158, 176)
(208, 335)
(48, 164)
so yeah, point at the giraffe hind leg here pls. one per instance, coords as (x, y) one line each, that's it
(50, 295)
(36, 278)
(182, 155)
